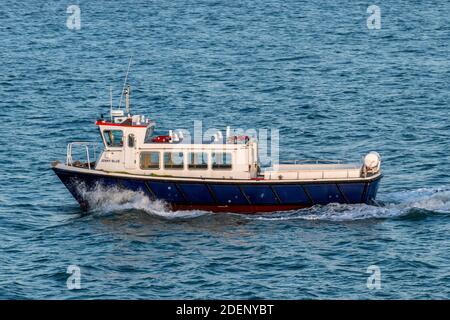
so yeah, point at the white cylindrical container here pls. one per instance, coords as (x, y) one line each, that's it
(372, 160)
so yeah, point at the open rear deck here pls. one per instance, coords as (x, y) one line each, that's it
(313, 171)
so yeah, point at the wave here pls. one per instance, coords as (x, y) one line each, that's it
(410, 204)
(416, 203)
(335, 212)
(431, 199)
(107, 200)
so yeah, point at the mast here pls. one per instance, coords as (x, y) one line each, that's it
(110, 103)
(127, 100)
(125, 83)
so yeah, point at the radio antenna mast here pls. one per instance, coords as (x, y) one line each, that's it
(125, 83)
(127, 100)
(110, 102)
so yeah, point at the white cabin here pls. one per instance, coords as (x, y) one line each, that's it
(131, 148)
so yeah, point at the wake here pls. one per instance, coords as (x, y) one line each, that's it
(397, 204)
(107, 200)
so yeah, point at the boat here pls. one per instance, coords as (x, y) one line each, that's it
(222, 175)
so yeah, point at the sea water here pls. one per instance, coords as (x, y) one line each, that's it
(333, 86)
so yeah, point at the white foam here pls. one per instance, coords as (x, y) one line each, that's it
(105, 200)
(432, 199)
(336, 212)
(395, 205)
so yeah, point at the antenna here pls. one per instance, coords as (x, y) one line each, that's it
(110, 102)
(125, 82)
(127, 100)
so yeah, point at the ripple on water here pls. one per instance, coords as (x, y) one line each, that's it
(334, 92)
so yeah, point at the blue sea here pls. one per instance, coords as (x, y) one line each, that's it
(314, 70)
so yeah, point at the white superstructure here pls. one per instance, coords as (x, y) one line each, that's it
(130, 147)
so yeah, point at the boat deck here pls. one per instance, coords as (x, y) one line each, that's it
(316, 171)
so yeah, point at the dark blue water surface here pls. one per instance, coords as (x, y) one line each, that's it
(311, 69)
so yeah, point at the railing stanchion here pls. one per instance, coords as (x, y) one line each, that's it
(69, 158)
(87, 156)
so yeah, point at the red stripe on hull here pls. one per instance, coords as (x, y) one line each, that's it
(248, 209)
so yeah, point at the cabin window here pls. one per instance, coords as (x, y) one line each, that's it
(113, 138)
(198, 160)
(221, 160)
(148, 134)
(149, 160)
(173, 160)
(131, 140)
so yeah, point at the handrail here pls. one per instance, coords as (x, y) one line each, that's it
(311, 167)
(276, 174)
(318, 173)
(313, 161)
(69, 159)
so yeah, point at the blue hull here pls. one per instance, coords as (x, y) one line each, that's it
(228, 196)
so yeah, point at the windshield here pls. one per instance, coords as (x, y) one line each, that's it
(113, 138)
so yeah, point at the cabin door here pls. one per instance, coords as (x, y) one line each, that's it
(130, 152)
